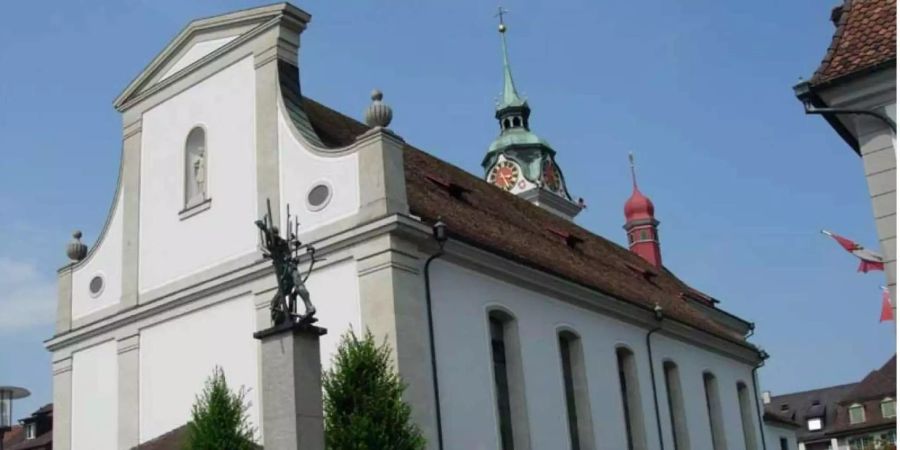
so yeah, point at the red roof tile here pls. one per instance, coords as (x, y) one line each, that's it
(865, 38)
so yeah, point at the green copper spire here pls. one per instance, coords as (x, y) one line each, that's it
(510, 96)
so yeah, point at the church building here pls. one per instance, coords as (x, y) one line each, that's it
(513, 326)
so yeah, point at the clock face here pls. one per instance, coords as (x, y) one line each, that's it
(504, 175)
(551, 177)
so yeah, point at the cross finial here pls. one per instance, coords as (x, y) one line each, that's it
(633, 175)
(500, 12)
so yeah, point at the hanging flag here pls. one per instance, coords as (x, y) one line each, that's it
(887, 309)
(868, 260)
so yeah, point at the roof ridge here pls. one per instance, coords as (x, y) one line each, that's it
(837, 386)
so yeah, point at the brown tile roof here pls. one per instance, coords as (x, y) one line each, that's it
(834, 402)
(865, 38)
(878, 384)
(172, 440)
(13, 436)
(504, 224)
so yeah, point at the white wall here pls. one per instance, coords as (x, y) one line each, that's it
(94, 398)
(335, 293)
(302, 169)
(197, 51)
(178, 355)
(105, 261)
(774, 434)
(461, 299)
(171, 248)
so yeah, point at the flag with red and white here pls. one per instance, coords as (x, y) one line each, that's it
(887, 309)
(868, 260)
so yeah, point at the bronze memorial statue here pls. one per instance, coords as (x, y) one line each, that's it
(285, 254)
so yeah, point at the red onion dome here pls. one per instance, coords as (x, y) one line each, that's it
(638, 207)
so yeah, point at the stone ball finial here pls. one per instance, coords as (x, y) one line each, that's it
(378, 114)
(76, 250)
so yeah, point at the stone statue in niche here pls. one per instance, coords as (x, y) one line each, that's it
(200, 174)
(285, 253)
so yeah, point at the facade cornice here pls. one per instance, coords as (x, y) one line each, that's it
(227, 277)
(486, 262)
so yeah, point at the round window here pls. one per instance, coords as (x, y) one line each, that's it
(96, 285)
(318, 197)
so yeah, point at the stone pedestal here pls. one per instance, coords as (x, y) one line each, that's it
(292, 388)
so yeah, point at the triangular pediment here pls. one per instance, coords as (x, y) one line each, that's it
(204, 39)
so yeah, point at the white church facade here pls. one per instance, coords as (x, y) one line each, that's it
(521, 331)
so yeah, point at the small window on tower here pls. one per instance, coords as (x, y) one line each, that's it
(643, 235)
(517, 122)
(630, 238)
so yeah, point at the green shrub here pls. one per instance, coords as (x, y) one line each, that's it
(364, 408)
(219, 418)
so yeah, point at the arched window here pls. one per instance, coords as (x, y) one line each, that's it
(195, 164)
(578, 406)
(630, 391)
(746, 405)
(517, 122)
(714, 410)
(509, 381)
(677, 416)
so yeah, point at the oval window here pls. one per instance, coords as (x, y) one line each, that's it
(318, 197)
(96, 285)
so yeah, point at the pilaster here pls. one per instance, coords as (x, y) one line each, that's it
(62, 404)
(268, 173)
(129, 391)
(392, 306)
(382, 180)
(64, 300)
(131, 205)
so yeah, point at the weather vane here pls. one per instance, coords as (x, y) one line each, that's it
(285, 253)
(500, 12)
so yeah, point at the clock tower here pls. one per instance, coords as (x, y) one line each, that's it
(518, 160)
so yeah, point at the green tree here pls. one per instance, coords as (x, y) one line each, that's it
(364, 408)
(219, 418)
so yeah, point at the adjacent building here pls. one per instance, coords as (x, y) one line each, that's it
(855, 416)
(855, 90)
(520, 330)
(34, 432)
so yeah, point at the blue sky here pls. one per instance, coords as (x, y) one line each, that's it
(700, 90)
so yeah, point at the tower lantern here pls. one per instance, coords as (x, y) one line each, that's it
(641, 224)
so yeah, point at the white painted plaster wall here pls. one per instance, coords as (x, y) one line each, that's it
(94, 397)
(178, 355)
(335, 293)
(774, 434)
(197, 51)
(172, 248)
(106, 261)
(461, 300)
(301, 169)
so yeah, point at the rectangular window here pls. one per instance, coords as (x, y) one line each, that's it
(30, 431)
(631, 400)
(501, 383)
(747, 424)
(857, 414)
(714, 410)
(814, 424)
(888, 408)
(784, 443)
(677, 416)
(578, 409)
